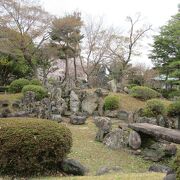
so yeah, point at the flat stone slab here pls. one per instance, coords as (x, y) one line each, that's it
(167, 134)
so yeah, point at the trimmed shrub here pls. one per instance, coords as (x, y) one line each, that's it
(38, 90)
(144, 93)
(174, 109)
(176, 165)
(35, 82)
(111, 102)
(153, 108)
(31, 147)
(17, 85)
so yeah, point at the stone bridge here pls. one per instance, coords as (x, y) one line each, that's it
(159, 132)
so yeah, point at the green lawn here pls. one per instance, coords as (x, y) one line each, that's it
(94, 154)
(10, 97)
(129, 176)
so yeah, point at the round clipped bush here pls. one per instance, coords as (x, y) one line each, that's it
(31, 147)
(111, 102)
(17, 85)
(144, 93)
(39, 91)
(36, 82)
(176, 165)
(174, 109)
(153, 108)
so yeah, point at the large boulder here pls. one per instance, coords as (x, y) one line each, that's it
(100, 106)
(74, 102)
(101, 92)
(104, 125)
(73, 167)
(56, 117)
(77, 120)
(170, 177)
(154, 153)
(126, 90)
(102, 170)
(111, 114)
(90, 103)
(134, 140)
(170, 149)
(123, 115)
(151, 120)
(105, 169)
(161, 121)
(159, 168)
(112, 85)
(117, 139)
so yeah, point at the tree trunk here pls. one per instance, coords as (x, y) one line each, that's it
(44, 78)
(66, 69)
(75, 69)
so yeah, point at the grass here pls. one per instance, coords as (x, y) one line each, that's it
(129, 103)
(95, 155)
(132, 104)
(131, 176)
(10, 97)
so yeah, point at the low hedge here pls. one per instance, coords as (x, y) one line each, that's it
(111, 102)
(31, 147)
(17, 85)
(144, 93)
(39, 91)
(153, 108)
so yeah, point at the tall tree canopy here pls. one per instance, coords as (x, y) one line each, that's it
(23, 29)
(166, 49)
(66, 34)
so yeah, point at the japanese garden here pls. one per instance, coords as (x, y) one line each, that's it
(74, 105)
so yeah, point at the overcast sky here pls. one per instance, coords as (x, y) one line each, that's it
(155, 12)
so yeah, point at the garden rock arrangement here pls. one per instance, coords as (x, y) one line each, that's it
(104, 125)
(73, 103)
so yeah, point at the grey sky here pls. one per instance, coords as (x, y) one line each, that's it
(155, 12)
